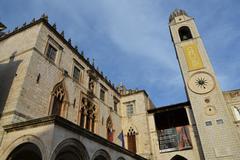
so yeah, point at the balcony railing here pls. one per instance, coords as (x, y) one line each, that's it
(174, 139)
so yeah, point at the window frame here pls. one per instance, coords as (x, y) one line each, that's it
(102, 94)
(77, 65)
(129, 114)
(115, 104)
(74, 76)
(52, 47)
(59, 49)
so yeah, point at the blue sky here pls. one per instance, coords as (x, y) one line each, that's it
(130, 40)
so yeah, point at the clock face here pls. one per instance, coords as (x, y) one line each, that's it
(201, 82)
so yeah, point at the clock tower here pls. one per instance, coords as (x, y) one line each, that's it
(218, 135)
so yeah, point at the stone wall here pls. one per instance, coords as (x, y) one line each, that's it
(138, 121)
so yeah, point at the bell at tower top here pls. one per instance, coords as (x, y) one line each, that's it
(177, 13)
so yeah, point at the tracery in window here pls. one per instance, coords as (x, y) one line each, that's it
(87, 114)
(58, 98)
(131, 139)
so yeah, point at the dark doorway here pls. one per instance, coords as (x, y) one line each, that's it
(26, 151)
(68, 156)
(100, 157)
(177, 157)
(70, 153)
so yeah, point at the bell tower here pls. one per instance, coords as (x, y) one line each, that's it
(218, 135)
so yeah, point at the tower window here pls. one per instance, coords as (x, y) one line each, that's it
(184, 33)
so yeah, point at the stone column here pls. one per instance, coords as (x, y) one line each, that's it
(85, 118)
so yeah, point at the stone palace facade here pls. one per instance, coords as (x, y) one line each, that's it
(56, 105)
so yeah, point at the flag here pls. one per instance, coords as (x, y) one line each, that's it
(110, 134)
(121, 138)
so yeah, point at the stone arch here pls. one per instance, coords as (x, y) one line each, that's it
(178, 157)
(59, 100)
(26, 151)
(101, 155)
(70, 149)
(23, 144)
(184, 33)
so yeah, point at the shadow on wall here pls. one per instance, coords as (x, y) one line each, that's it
(7, 74)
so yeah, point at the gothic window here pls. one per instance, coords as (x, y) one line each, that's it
(129, 110)
(82, 118)
(131, 139)
(109, 129)
(184, 33)
(51, 52)
(58, 97)
(88, 122)
(93, 124)
(87, 115)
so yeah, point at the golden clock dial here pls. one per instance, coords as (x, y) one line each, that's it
(201, 82)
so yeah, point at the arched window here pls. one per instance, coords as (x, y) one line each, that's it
(26, 151)
(82, 117)
(109, 129)
(184, 33)
(87, 114)
(131, 138)
(58, 97)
